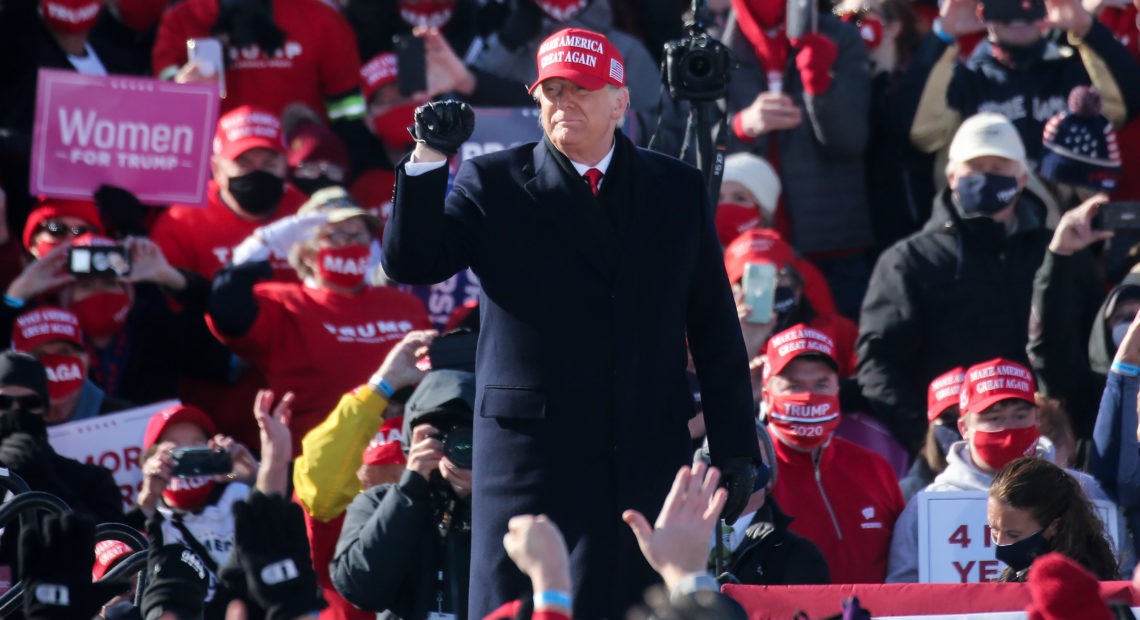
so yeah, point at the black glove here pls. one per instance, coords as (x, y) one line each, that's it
(55, 565)
(29, 457)
(522, 25)
(272, 550)
(443, 125)
(120, 211)
(738, 476)
(249, 22)
(177, 580)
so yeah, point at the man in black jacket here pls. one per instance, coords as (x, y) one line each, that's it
(958, 292)
(1017, 71)
(760, 550)
(405, 548)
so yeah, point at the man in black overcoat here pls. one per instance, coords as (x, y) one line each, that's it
(599, 265)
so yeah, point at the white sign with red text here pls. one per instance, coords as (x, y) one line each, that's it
(954, 541)
(113, 441)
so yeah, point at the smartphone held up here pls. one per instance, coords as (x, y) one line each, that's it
(210, 56)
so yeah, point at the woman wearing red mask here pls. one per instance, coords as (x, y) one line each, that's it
(998, 423)
(318, 338)
(131, 338)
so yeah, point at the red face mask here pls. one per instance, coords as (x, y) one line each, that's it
(391, 127)
(43, 247)
(427, 13)
(345, 266)
(804, 420)
(102, 315)
(70, 16)
(65, 375)
(996, 448)
(561, 10)
(140, 15)
(733, 219)
(188, 494)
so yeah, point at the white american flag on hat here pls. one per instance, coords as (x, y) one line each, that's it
(617, 72)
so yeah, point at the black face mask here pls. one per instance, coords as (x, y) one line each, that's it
(985, 194)
(784, 305)
(1019, 555)
(257, 192)
(311, 186)
(1020, 56)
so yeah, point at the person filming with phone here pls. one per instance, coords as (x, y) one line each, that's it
(599, 261)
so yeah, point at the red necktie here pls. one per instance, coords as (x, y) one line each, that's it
(593, 176)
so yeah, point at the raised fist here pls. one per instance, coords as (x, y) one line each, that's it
(443, 125)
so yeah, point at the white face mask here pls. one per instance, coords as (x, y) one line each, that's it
(1118, 332)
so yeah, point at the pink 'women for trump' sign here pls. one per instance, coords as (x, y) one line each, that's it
(148, 136)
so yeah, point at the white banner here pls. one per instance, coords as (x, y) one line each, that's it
(113, 441)
(954, 541)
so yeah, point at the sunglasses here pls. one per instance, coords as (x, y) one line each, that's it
(29, 402)
(59, 231)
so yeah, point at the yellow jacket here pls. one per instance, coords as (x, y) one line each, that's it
(324, 476)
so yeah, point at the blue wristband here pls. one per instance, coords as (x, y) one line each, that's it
(385, 389)
(940, 33)
(1127, 370)
(553, 598)
(12, 302)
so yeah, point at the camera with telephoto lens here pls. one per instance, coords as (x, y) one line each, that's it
(456, 440)
(696, 66)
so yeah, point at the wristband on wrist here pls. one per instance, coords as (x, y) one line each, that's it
(384, 388)
(13, 302)
(940, 33)
(553, 598)
(1122, 368)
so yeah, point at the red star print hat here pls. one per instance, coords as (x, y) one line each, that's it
(1080, 144)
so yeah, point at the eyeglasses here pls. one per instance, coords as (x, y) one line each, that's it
(59, 230)
(29, 402)
(339, 239)
(315, 169)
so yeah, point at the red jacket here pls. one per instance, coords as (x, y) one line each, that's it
(847, 505)
(319, 61)
(319, 344)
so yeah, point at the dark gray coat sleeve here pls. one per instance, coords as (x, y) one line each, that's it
(840, 115)
(379, 549)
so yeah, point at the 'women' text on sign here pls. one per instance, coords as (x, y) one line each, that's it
(148, 136)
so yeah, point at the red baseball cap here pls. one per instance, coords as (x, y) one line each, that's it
(584, 57)
(796, 341)
(51, 208)
(176, 413)
(994, 381)
(385, 448)
(759, 245)
(378, 72)
(245, 128)
(108, 553)
(45, 324)
(943, 392)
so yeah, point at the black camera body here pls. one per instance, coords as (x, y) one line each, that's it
(696, 66)
(456, 440)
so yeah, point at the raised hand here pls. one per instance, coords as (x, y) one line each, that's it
(677, 544)
(1075, 232)
(443, 125)
(42, 276)
(960, 17)
(1068, 15)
